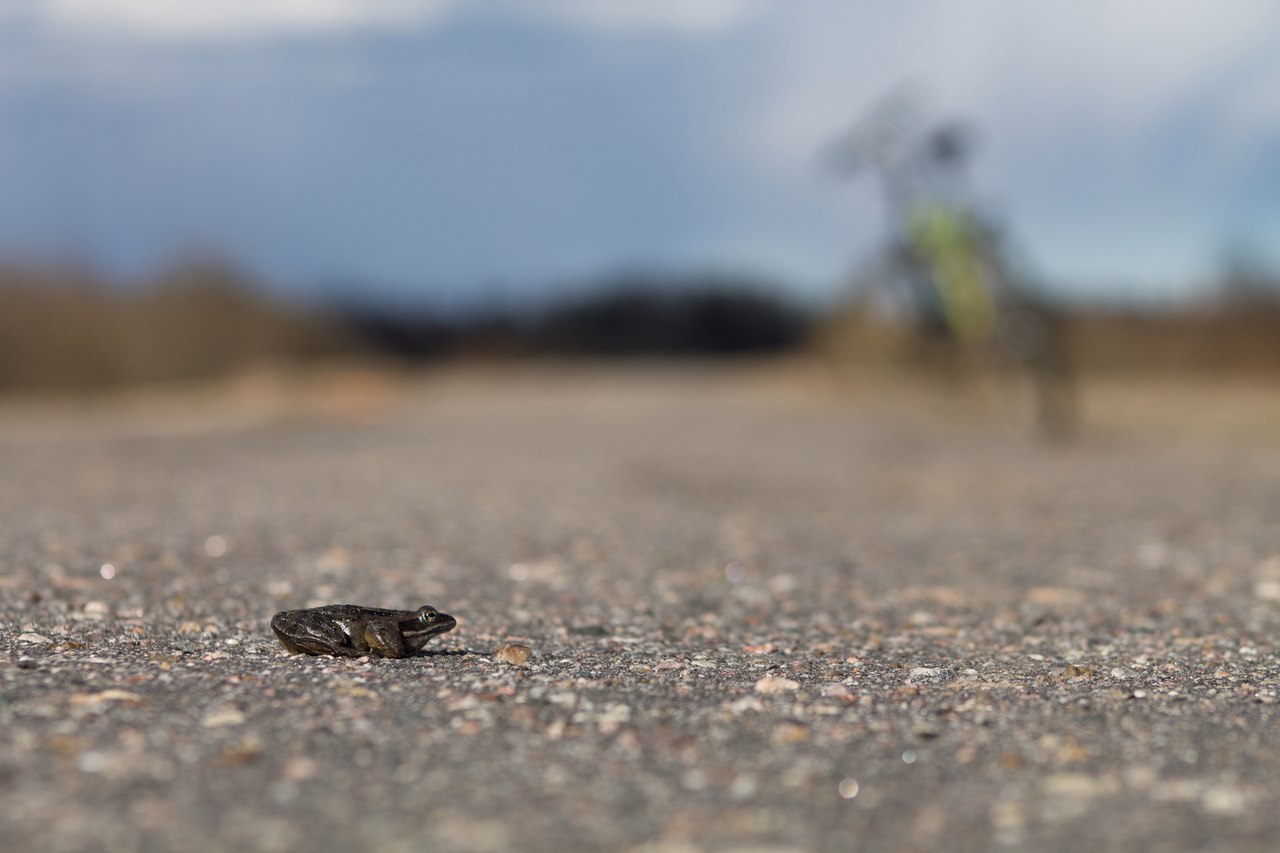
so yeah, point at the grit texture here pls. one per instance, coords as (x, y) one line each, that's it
(762, 614)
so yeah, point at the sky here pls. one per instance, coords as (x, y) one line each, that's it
(453, 150)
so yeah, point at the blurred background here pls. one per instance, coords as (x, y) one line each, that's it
(200, 190)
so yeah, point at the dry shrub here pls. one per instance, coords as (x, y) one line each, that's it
(65, 328)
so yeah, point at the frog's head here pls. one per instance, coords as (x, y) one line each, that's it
(425, 624)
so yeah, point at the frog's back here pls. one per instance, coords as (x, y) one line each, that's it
(354, 611)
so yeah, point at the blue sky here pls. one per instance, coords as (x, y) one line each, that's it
(454, 149)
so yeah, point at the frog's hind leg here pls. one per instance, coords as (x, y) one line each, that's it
(316, 640)
(310, 646)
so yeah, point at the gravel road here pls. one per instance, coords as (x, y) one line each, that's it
(764, 615)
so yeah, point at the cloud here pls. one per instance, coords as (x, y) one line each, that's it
(682, 16)
(1118, 140)
(1126, 67)
(184, 20)
(229, 20)
(1114, 133)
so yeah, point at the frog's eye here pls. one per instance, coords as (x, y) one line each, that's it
(427, 614)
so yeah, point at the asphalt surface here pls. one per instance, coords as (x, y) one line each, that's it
(766, 613)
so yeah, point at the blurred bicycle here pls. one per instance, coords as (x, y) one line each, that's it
(943, 264)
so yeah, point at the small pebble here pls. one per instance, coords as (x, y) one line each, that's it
(1267, 590)
(789, 732)
(35, 639)
(776, 684)
(299, 769)
(513, 653)
(743, 704)
(103, 696)
(222, 717)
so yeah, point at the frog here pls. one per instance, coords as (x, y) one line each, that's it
(349, 630)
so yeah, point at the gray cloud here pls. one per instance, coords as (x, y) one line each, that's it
(432, 140)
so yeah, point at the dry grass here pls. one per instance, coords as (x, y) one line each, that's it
(1237, 338)
(65, 329)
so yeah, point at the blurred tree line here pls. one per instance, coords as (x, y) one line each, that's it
(619, 316)
(65, 328)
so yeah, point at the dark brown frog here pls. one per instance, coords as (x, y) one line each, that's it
(347, 630)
